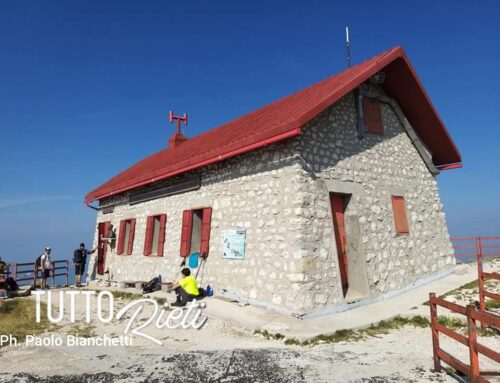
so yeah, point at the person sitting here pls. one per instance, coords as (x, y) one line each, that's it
(3, 287)
(9, 284)
(3, 267)
(186, 289)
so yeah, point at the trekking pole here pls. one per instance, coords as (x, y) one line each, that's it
(203, 260)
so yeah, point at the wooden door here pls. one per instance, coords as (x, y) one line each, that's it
(102, 247)
(338, 204)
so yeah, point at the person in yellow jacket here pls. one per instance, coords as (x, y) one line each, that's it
(186, 289)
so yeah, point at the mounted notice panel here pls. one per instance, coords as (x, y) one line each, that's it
(233, 244)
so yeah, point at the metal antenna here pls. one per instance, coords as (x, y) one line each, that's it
(178, 120)
(348, 46)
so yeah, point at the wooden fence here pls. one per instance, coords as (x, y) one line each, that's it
(480, 248)
(472, 369)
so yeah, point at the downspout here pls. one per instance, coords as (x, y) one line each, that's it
(360, 123)
(89, 204)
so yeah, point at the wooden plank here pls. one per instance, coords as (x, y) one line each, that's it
(491, 295)
(465, 255)
(435, 333)
(454, 362)
(473, 354)
(460, 247)
(450, 306)
(487, 318)
(496, 246)
(491, 276)
(492, 354)
(452, 334)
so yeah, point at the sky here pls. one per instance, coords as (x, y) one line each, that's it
(86, 87)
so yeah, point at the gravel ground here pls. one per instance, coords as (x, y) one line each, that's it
(219, 352)
(403, 355)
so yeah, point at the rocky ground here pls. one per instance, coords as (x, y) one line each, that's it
(221, 352)
(402, 356)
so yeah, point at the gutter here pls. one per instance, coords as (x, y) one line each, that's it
(457, 165)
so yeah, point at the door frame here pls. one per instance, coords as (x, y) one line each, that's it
(340, 235)
(102, 248)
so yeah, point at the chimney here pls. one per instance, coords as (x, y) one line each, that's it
(178, 138)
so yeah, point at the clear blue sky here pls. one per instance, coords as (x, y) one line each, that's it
(86, 86)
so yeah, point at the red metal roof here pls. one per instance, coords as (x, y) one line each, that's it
(283, 119)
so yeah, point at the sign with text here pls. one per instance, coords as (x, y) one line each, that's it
(233, 244)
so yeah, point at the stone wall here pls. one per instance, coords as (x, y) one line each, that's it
(371, 169)
(280, 195)
(257, 192)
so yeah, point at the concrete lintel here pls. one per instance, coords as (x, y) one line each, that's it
(346, 187)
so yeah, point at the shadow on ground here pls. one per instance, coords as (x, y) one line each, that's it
(237, 366)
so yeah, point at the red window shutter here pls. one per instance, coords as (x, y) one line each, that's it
(372, 116)
(148, 239)
(161, 237)
(205, 231)
(130, 247)
(121, 238)
(187, 226)
(400, 217)
(107, 227)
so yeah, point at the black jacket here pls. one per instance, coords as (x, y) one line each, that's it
(80, 256)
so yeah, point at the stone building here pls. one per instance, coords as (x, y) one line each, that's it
(323, 200)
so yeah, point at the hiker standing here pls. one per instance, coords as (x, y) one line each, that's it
(46, 265)
(79, 261)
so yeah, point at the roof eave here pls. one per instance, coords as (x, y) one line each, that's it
(295, 130)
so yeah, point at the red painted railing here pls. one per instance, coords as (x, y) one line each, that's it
(472, 369)
(480, 247)
(29, 273)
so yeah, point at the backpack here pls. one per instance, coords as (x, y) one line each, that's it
(152, 285)
(78, 257)
(201, 293)
(38, 261)
(11, 284)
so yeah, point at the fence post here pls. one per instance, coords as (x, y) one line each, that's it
(435, 333)
(480, 278)
(35, 275)
(472, 339)
(15, 271)
(53, 273)
(67, 273)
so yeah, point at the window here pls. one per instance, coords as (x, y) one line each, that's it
(155, 235)
(126, 236)
(195, 235)
(372, 116)
(400, 217)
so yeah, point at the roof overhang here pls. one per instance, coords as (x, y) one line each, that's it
(284, 118)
